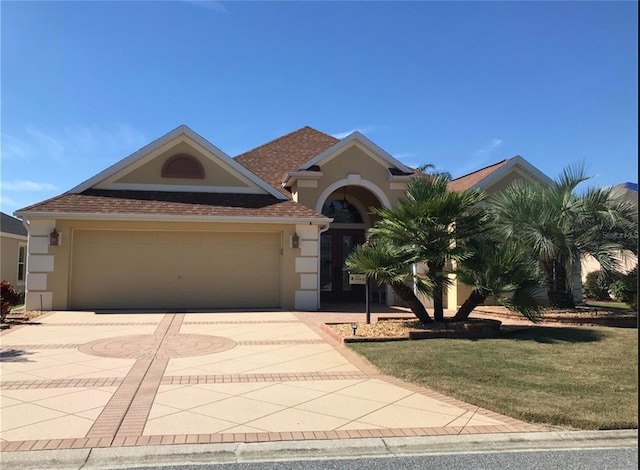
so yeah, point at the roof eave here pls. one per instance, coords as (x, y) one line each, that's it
(176, 218)
(292, 176)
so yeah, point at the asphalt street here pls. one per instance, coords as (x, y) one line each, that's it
(578, 459)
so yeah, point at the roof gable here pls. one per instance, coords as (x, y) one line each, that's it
(143, 170)
(359, 140)
(489, 175)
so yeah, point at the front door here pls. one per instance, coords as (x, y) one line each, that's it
(335, 246)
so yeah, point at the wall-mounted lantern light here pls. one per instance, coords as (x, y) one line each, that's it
(295, 241)
(54, 238)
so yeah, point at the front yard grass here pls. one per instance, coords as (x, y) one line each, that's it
(577, 377)
(607, 304)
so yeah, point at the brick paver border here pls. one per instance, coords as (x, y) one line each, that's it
(215, 438)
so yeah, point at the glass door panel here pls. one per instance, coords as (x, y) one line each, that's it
(348, 243)
(326, 262)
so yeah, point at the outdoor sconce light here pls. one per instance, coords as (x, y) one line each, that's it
(54, 238)
(295, 241)
(354, 327)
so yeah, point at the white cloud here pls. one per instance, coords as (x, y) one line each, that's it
(74, 142)
(26, 185)
(495, 143)
(6, 202)
(362, 130)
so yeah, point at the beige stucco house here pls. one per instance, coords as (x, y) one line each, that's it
(13, 251)
(181, 225)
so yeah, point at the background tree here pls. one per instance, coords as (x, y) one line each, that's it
(559, 225)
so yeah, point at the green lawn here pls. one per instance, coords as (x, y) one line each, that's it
(580, 377)
(607, 304)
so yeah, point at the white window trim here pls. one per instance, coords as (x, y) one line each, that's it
(24, 265)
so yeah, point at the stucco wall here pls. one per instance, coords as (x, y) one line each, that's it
(150, 173)
(351, 161)
(9, 259)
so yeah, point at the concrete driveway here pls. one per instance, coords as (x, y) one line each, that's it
(80, 379)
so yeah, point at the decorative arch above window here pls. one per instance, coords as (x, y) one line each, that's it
(342, 212)
(182, 165)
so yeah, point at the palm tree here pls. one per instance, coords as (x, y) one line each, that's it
(503, 271)
(386, 263)
(432, 223)
(558, 226)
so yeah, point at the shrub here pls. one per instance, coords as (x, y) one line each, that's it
(10, 298)
(625, 289)
(596, 286)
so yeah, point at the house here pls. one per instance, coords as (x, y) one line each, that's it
(181, 225)
(13, 251)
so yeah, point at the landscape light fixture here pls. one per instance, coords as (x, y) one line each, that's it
(354, 327)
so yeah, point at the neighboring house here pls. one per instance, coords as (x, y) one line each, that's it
(13, 251)
(629, 193)
(181, 225)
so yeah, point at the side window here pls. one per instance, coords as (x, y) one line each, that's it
(22, 262)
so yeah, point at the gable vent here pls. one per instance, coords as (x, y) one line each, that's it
(182, 166)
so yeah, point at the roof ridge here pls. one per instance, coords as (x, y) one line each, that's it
(483, 168)
(282, 137)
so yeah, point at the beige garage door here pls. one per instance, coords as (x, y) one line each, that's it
(175, 270)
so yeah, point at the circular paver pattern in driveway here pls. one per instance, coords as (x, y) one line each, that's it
(149, 346)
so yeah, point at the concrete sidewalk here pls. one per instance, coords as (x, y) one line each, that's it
(124, 457)
(81, 380)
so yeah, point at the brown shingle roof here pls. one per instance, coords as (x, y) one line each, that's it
(94, 201)
(272, 160)
(467, 181)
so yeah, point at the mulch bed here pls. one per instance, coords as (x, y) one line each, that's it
(404, 329)
(579, 316)
(20, 317)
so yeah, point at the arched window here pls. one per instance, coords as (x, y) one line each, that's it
(182, 166)
(342, 212)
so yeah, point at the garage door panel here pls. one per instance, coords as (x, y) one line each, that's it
(173, 270)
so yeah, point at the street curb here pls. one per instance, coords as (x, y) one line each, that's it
(118, 457)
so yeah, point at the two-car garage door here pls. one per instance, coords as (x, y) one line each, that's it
(174, 270)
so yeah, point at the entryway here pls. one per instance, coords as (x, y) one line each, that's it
(335, 246)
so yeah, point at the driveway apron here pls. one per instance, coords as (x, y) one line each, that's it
(80, 379)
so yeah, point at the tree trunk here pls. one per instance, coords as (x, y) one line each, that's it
(475, 298)
(406, 293)
(438, 298)
(558, 291)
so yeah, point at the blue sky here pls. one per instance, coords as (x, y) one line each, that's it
(457, 84)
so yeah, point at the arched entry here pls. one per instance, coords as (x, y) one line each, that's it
(349, 207)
